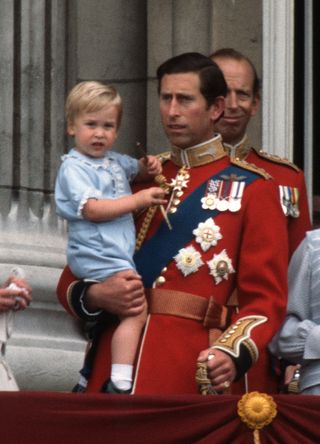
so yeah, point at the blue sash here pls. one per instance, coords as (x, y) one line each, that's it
(157, 251)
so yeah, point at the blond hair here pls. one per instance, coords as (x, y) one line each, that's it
(89, 97)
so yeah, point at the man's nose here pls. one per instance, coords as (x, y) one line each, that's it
(173, 107)
(231, 100)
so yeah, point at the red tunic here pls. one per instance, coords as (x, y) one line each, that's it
(255, 240)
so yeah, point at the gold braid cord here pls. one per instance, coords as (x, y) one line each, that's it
(257, 410)
(202, 380)
(145, 226)
(161, 181)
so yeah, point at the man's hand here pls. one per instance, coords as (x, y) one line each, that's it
(220, 368)
(121, 294)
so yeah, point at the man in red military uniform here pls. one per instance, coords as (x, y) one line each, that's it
(226, 232)
(242, 102)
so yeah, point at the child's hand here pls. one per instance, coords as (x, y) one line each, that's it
(154, 166)
(150, 166)
(150, 197)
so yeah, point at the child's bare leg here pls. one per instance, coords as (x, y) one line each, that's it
(124, 346)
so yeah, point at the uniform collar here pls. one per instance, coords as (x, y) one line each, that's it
(199, 154)
(240, 150)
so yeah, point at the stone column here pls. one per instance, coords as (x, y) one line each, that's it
(278, 45)
(46, 348)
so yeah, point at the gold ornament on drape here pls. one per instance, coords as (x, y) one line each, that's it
(257, 410)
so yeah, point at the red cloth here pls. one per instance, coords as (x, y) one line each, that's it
(58, 418)
(288, 176)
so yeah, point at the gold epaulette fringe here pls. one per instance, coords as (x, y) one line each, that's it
(251, 167)
(276, 159)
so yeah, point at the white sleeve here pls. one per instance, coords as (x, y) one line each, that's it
(296, 339)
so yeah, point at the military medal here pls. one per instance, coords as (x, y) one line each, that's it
(220, 266)
(289, 198)
(231, 193)
(223, 194)
(295, 212)
(209, 202)
(236, 196)
(213, 186)
(222, 205)
(234, 205)
(282, 200)
(207, 234)
(188, 260)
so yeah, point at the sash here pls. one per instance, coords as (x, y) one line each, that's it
(157, 251)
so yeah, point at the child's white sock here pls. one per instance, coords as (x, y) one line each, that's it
(121, 376)
(83, 381)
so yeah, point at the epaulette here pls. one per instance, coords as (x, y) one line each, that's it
(251, 167)
(276, 159)
(166, 155)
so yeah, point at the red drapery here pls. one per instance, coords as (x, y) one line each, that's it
(58, 418)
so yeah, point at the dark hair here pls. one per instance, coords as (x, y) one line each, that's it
(212, 82)
(230, 53)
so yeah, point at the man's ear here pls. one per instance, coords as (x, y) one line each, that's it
(255, 104)
(217, 108)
